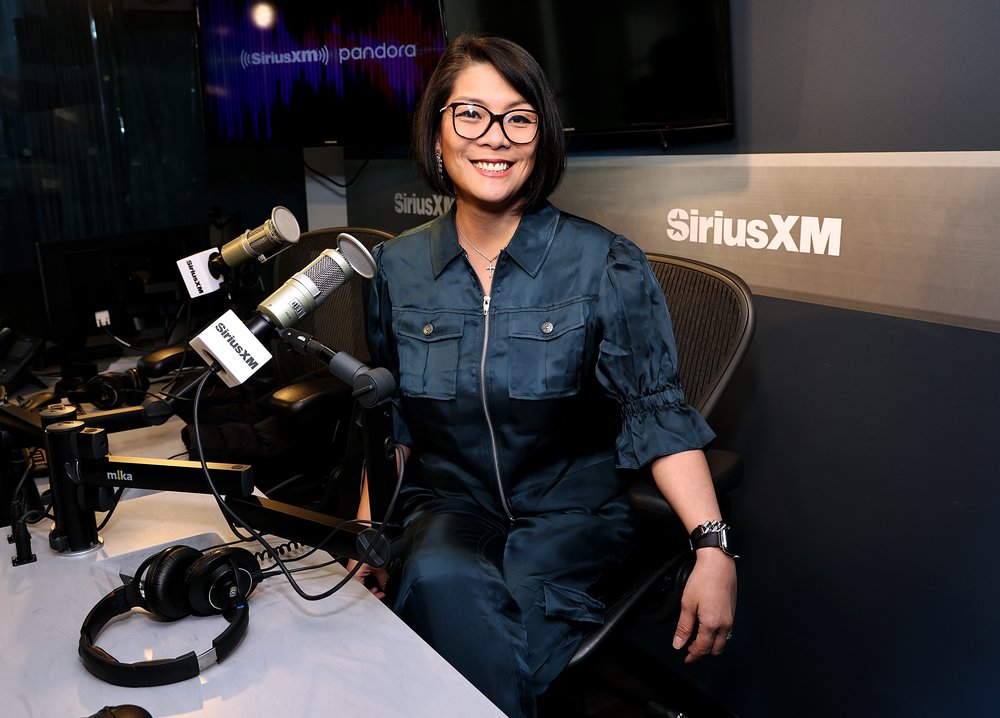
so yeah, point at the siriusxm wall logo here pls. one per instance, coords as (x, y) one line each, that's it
(322, 55)
(807, 235)
(293, 57)
(425, 206)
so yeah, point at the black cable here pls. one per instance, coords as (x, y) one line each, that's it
(331, 180)
(107, 517)
(233, 519)
(155, 347)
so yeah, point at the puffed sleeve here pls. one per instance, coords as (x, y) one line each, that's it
(637, 363)
(381, 342)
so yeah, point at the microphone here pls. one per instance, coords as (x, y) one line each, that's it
(202, 272)
(234, 345)
(308, 288)
(281, 229)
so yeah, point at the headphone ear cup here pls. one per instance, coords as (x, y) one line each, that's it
(137, 385)
(110, 390)
(165, 587)
(212, 585)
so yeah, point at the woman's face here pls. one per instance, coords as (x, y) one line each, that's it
(489, 171)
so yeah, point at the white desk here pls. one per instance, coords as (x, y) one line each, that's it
(347, 655)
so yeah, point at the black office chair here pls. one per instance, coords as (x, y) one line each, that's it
(713, 320)
(295, 432)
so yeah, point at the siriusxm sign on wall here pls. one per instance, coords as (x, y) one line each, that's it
(390, 195)
(905, 234)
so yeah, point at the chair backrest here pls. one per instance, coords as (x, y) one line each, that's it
(713, 316)
(339, 321)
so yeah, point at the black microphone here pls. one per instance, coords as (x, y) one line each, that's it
(234, 345)
(280, 230)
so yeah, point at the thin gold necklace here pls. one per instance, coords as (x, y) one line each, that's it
(491, 261)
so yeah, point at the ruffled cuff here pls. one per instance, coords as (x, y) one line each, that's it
(659, 425)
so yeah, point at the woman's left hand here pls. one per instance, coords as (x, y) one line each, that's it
(708, 605)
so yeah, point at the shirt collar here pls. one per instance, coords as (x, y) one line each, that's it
(528, 247)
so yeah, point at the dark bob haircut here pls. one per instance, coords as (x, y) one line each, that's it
(520, 69)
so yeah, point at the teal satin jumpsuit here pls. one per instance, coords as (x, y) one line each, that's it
(525, 412)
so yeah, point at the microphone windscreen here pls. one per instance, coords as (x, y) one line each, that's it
(356, 254)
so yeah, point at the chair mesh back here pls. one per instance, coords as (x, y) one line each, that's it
(339, 321)
(713, 318)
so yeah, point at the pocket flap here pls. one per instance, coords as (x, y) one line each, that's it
(571, 604)
(430, 326)
(546, 324)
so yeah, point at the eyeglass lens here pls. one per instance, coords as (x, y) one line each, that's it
(473, 121)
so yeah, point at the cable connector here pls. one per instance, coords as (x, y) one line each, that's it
(22, 542)
(103, 318)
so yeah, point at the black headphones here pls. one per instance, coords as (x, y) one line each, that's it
(176, 582)
(110, 390)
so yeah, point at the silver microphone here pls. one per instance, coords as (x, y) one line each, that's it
(308, 288)
(281, 229)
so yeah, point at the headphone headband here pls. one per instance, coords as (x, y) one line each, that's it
(157, 581)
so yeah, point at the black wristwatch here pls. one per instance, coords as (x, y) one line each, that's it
(715, 534)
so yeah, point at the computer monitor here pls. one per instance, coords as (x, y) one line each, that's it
(124, 285)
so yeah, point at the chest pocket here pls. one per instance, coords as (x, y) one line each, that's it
(547, 352)
(428, 353)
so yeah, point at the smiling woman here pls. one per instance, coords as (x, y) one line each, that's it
(509, 327)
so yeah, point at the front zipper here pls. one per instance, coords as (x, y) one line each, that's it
(486, 407)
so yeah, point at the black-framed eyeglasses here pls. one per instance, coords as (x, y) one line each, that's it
(472, 121)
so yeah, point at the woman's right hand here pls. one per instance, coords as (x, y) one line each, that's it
(373, 578)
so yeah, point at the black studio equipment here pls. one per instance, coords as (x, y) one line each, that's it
(84, 477)
(177, 582)
(17, 352)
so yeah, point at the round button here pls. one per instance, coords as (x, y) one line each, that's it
(428, 329)
(546, 327)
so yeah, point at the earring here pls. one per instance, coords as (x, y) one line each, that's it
(440, 165)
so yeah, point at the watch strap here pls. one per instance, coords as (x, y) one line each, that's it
(713, 534)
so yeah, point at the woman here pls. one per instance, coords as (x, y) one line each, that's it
(536, 368)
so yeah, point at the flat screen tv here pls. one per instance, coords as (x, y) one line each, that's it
(308, 74)
(627, 66)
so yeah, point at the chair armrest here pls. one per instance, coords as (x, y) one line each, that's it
(726, 468)
(309, 395)
(674, 571)
(162, 361)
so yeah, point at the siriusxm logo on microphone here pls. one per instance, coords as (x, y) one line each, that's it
(230, 338)
(194, 277)
(816, 235)
(427, 206)
(231, 348)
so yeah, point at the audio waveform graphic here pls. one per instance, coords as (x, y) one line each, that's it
(324, 70)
